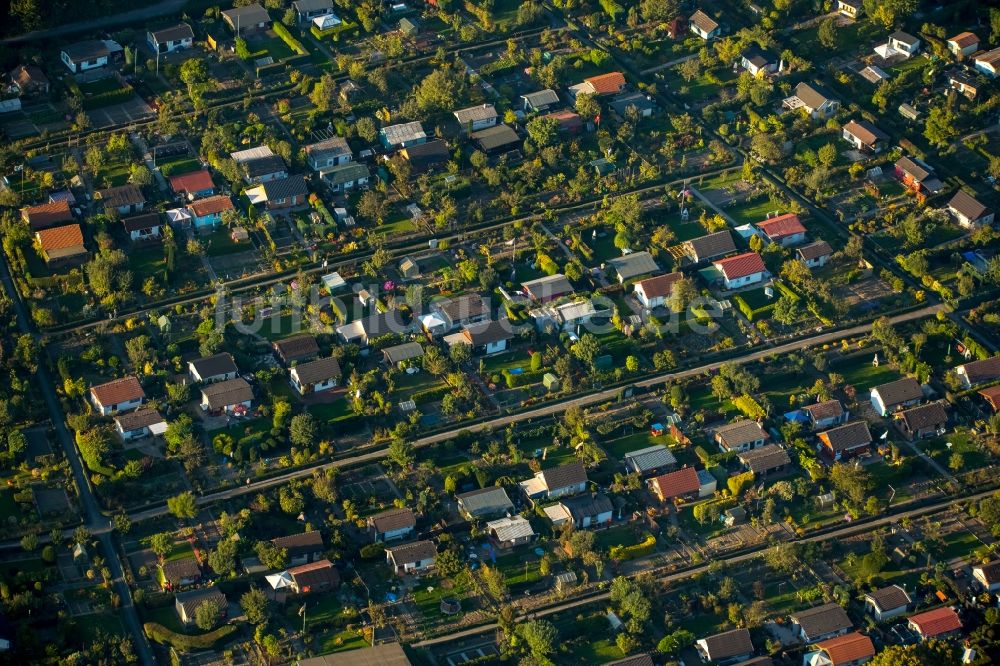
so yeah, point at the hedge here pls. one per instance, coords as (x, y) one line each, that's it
(286, 37)
(498, 66)
(787, 291)
(183, 642)
(430, 395)
(748, 311)
(324, 212)
(334, 32)
(620, 553)
(523, 379)
(750, 407)
(100, 100)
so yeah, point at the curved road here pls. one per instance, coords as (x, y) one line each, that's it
(150, 11)
(97, 523)
(844, 532)
(542, 412)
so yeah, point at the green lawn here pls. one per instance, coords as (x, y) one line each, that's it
(220, 242)
(275, 48)
(701, 398)
(958, 544)
(622, 535)
(109, 624)
(599, 651)
(862, 375)
(331, 411)
(276, 328)
(8, 507)
(398, 225)
(146, 262)
(619, 446)
(520, 568)
(182, 549)
(962, 443)
(180, 164)
(754, 211)
(428, 595)
(337, 640)
(166, 616)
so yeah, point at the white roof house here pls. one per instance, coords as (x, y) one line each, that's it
(243, 156)
(510, 529)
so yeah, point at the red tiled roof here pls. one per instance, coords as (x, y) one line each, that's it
(992, 394)
(847, 648)
(781, 226)
(211, 205)
(936, 622)
(606, 84)
(741, 265)
(195, 181)
(677, 484)
(118, 391)
(964, 39)
(47, 214)
(661, 285)
(60, 238)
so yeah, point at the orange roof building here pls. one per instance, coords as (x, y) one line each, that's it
(194, 184)
(852, 648)
(681, 483)
(211, 206)
(937, 622)
(47, 215)
(783, 229)
(62, 245)
(611, 83)
(117, 395)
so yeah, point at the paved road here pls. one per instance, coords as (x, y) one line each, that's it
(133, 16)
(542, 412)
(851, 530)
(97, 523)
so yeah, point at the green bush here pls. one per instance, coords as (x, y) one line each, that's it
(107, 98)
(749, 312)
(504, 64)
(334, 32)
(703, 455)
(750, 408)
(430, 395)
(523, 379)
(645, 547)
(184, 643)
(372, 551)
(294, 44)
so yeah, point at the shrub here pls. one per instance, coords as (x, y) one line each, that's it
(430, 395)
(372, 551)
(751, 313)
(749, 407)
(107, 98)
(294, 44)
(621, 553)
(739, 482)
(185, 643)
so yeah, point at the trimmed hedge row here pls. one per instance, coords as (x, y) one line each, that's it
(749, 312)
(523, 379)
(621, 553)
(430, 395)
(498, 66)
(334, 32)
(184, 643)
(750, 407)
(294, 44)
(107, 98)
